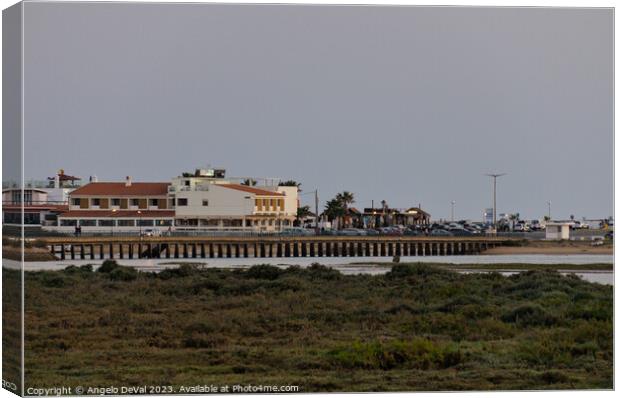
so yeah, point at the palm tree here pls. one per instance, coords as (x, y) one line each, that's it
(346, 198)
(334, 210)
(290, 183)
(249, 182)
(302, 212)
(513, 218)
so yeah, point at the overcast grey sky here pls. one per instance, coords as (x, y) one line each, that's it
(407, 104)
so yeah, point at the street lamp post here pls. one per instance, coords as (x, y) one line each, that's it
(549, 209)
(140, 223)
(495, 175)
(113, 222)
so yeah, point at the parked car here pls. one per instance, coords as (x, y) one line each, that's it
(151, 232)
(441, 232)
(352, 232)
(460, 232)
(580, 225)
(535, 225)
(298, 231)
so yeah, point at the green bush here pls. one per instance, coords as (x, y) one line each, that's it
(319, 271)
(184, 270)
(529, 314)
(108, 266)
(55, 280)
(418, 353)
(418, 269)
(123, 274)
(263, 271)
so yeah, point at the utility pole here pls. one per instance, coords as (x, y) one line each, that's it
(316, 211)
(452, 212)
(495, 175)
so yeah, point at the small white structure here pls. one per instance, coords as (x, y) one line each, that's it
(557, 231)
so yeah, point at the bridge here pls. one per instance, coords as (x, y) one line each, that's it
(262, 247)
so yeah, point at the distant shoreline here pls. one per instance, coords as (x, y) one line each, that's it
(552, 247)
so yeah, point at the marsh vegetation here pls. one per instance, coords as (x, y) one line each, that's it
(417, 327)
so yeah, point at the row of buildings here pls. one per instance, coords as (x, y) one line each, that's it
(201, 201)
(204, 200)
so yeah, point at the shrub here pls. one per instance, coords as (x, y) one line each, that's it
(72, 269)
(554, 376)
(263, 271)
(529, 314)
(319, 271)
(418, 353)
(52, 280)
(123, 274)
(108, 266)
(184, 270)
(400, 271)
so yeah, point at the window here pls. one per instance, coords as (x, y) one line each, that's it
(187, 183)
(182, 202)
(163, 223)
(126, 223)
(28, 197)
(95, 202)
(145, 223)
(68, 223)
(106, 223)
(88, 223)
(75, 201)
(153, 202)
(205, 202)
(32, 218)
(17, 196)
(135, 202)
(173, 202)
(116, 202)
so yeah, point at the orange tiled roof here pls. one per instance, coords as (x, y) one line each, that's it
(121, 189)
(118, 213)
(249, 189)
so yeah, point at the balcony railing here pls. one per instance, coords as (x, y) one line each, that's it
(36, 202)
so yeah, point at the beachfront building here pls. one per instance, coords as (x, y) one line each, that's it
(388, 217)
(207, 200)
(202, 201)
(40, 201)
(127, 206)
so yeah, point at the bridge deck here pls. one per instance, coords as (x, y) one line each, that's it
(271, 246)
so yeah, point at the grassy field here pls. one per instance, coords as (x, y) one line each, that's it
(417, 327)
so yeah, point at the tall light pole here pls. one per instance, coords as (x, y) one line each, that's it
(140, 223)
(113, 222)
(495, 175)
(452, 212)
(549, 209)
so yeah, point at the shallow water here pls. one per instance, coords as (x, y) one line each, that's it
(344, 264)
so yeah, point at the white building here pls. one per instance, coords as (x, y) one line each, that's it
(209, 201)
(203, 201)
(557, 231)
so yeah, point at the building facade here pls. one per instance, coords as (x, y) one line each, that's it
(207, 202)
(203, 201)
(118, 206)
